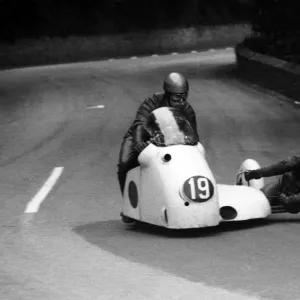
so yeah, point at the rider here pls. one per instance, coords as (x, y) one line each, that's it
(176, 88)
(287, 187)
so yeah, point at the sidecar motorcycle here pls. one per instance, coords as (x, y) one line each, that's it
(174, 187)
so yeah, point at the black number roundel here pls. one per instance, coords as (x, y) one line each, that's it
(198, 188)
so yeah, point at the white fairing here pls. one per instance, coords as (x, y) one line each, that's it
(248, 202)
(167, 182)
(128, 209)
(160, 193)
(250, 164)
(161, 201)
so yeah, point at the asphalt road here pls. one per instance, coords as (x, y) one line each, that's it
(74, 246)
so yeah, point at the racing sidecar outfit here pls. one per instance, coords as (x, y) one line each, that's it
(135, 138)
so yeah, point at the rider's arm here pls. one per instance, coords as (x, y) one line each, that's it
(281, 167)
(142, 114)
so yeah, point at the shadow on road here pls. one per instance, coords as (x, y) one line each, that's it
(248, 256)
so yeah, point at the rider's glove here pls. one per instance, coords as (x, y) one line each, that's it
(139, 147)
(289, 203)
(253, 174)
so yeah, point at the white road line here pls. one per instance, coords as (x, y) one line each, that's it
(34, 204)
(97, 106)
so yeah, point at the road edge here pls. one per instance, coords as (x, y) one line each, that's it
(273, 75)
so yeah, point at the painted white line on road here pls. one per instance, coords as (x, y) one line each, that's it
(34, 205)
(96, 106)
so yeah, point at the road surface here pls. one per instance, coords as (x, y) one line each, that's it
(60, 232)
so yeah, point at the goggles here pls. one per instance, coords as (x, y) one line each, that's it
(179, 97)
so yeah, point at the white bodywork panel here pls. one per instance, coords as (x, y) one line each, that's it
(249, 202)
(160, 196)
(128, 209)
(161, 184)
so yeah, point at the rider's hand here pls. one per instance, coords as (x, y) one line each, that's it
(291, 206)
(283, 198)
(252, 174)
(139, 147)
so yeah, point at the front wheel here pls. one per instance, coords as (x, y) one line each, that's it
(127, 220)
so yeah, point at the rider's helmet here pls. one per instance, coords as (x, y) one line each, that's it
(175, 83)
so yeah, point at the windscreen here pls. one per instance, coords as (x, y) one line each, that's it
(169, 126)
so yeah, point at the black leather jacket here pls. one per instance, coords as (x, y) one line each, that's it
(289, 169)
(150, 104)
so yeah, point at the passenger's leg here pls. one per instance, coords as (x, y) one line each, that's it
(272, 190)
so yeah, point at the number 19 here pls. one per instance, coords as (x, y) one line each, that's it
(202, 188)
